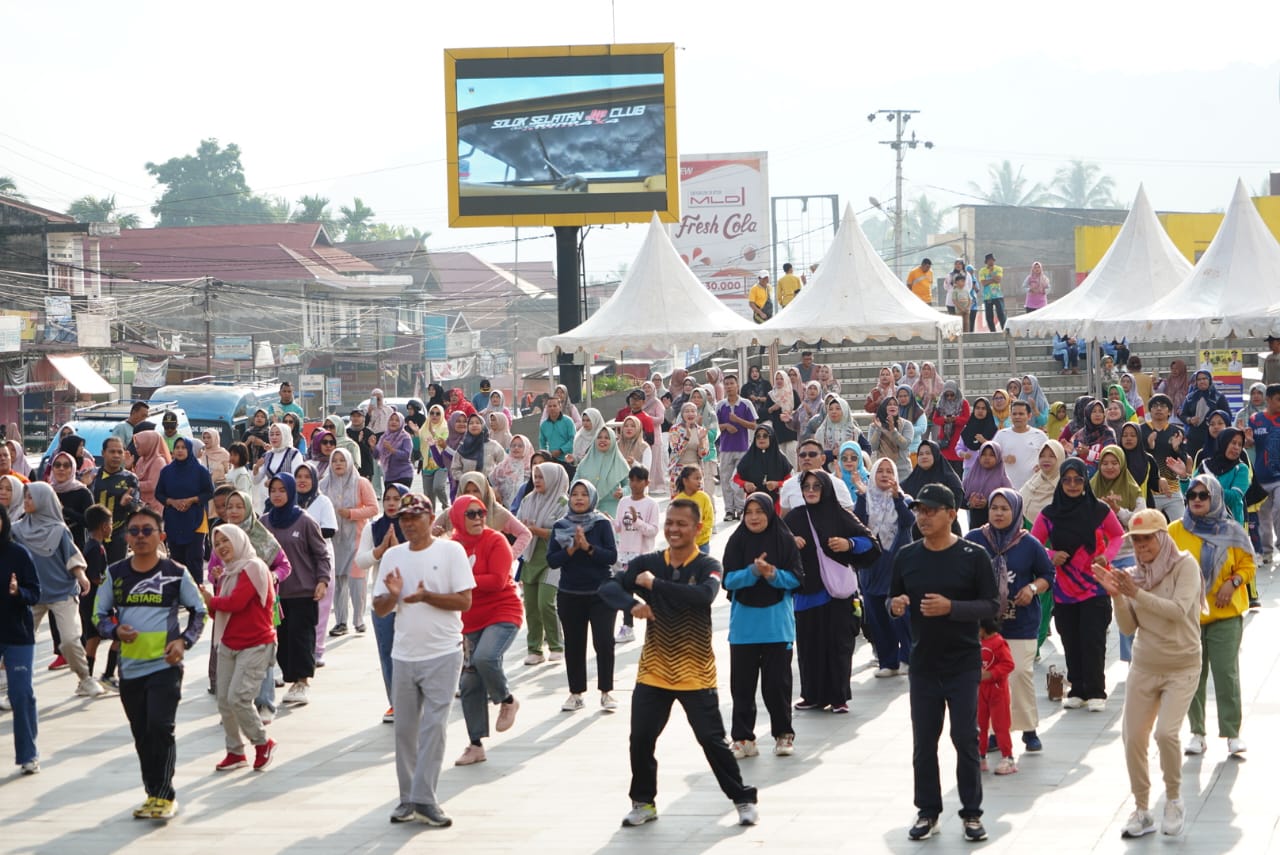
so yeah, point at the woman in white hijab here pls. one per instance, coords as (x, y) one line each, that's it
(354, 504)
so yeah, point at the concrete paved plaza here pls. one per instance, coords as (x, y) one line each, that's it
(557, 782)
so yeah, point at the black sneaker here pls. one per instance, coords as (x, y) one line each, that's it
(973, 829)
(338, 631)
(925, 827)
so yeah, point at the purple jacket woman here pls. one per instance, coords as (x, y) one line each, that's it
(394, 451)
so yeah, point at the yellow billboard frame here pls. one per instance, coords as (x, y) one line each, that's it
(671, 213)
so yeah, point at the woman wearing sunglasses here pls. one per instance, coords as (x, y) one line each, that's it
(1077, 528)
(1227, 565)
(488, 627)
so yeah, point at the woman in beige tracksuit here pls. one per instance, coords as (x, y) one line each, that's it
(1160, 600)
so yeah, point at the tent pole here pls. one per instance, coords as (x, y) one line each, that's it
(590, 380)
(937, 337)
(960, 359)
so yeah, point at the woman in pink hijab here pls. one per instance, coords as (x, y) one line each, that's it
(1036, 287)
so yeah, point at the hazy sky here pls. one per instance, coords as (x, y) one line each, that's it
(343, 99)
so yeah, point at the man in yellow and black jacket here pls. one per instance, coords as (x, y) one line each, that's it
(676, 588)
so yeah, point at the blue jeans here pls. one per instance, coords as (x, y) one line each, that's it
(483, 677)
(18, 662)
(266, 698)
(384, 633)
(1126, 641)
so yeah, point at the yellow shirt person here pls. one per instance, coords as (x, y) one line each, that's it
(788, 286)
(920, 281)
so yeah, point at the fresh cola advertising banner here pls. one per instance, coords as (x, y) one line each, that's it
(723, 232)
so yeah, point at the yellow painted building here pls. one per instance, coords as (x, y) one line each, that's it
(1190, 233)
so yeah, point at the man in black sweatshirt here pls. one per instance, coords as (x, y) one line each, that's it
(948, 585)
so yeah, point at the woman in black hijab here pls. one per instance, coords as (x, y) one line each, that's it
(1141, 465)
(763, 568)
(435, 397)
(979, 429)
(832, 544)
(931, 468)
(1076, 528)
(763, 468)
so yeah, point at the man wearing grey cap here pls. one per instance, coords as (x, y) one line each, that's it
(427, 582)
(947, 585)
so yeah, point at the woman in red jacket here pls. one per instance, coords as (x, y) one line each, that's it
(950, 415)
(488, 627)
(245, 635)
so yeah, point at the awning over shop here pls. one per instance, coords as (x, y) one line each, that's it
(80, 374)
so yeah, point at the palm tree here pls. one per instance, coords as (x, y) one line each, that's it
(1010, 188)
(9, 187)
(91, 209)
(313, 209)
(923, 218)
(1080, 185)
(355, 220)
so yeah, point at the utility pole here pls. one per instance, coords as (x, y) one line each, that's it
(208, 331)
(899, 145)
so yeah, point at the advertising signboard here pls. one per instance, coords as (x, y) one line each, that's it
(723, 231)
(233, 347)
(560, 136)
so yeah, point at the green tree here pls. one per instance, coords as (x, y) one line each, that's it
(9, 187)
(278, 208)
(207, 188)
(386, 231)
(354, 222)
(314, 209)
(1010, 188)
(1081, 185)
(91, 209)
(921, 219)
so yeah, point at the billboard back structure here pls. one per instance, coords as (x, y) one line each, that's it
(561, 136)
(723, 231)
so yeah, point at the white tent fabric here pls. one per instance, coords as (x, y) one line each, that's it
(1142, 266)
(660, 304)
(855, 296)
(1233, 290)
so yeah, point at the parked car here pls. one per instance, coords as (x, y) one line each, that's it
(95, 424)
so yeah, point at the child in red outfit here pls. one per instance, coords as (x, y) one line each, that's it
(993, 696)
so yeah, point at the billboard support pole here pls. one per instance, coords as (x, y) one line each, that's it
(569, 313)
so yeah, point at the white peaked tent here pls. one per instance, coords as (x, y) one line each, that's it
(1141, 267)
(1234, 289)
(855, 296)
(660, 304)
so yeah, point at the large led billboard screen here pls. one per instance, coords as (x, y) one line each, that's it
(561, 136)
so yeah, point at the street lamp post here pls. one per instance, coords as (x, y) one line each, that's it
(898, 144)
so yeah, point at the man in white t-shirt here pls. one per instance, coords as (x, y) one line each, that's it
(1021, 444)
(427, 582)
(810, 456)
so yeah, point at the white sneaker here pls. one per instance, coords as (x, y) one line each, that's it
(555, 656)
(744, 748)
(1072, 703)
(534, 659)
(1236, 746)
(886, 672)
(1140, 823)
(1195, 745)
(625, 634)
(1097, 704)
(4, 703)
(89, 688)
(572, 704)
(31, 767)
(296, 696)
(607, 703)
(748, 814)
(1174, 815)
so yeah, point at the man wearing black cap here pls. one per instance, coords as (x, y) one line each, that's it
(363, 438)
(947, 585)
(170, 425)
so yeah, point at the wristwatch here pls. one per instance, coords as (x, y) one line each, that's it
(1237, 581)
